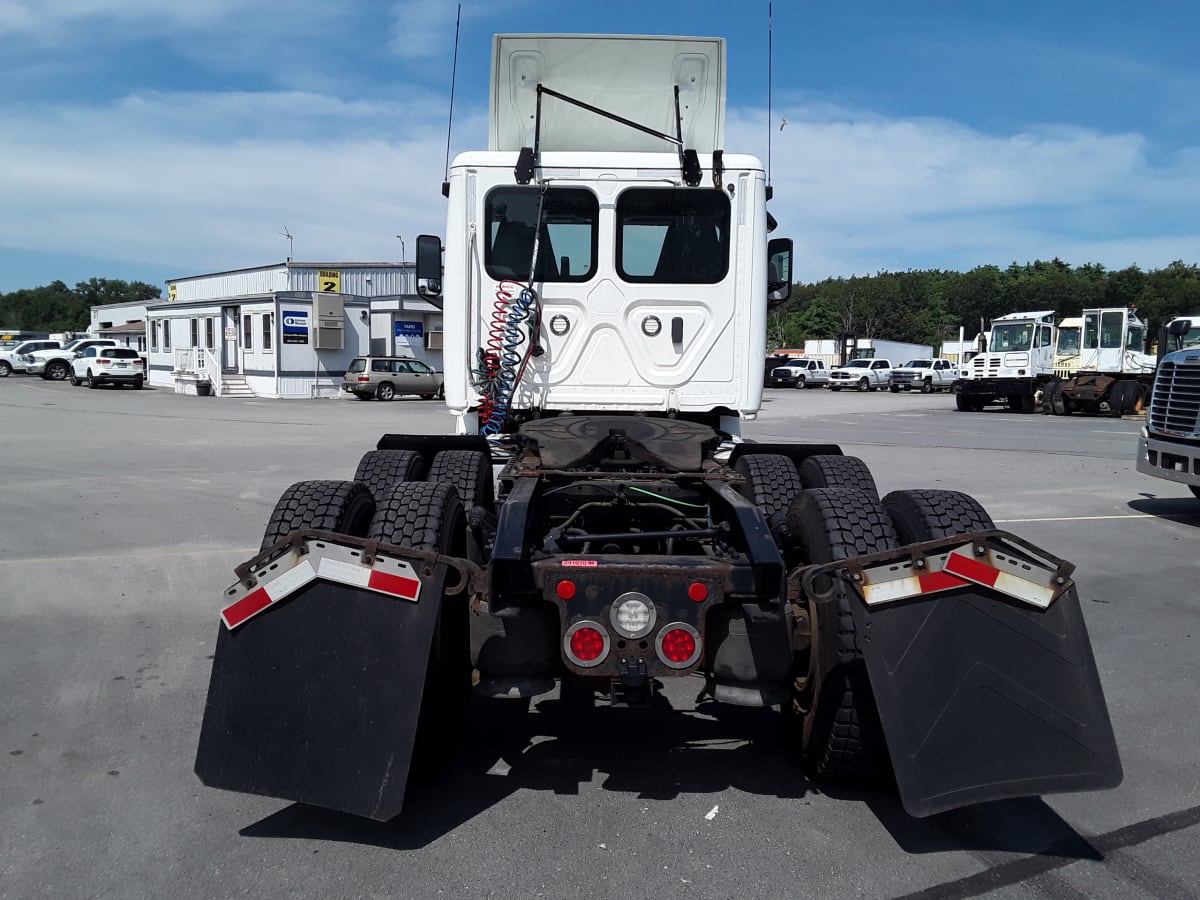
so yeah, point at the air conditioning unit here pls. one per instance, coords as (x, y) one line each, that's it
(433, 340)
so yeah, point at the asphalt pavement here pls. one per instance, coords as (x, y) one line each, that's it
(125, 512)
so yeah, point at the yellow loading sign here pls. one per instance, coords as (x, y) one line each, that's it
(331, 280)
(171, 293)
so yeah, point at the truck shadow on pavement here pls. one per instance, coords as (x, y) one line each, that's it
(655, 754)
(1185, 510)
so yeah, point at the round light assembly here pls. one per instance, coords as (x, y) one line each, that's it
(633, 615)
(678, 645)
(586, 644)
(559, 325)
(651, 326)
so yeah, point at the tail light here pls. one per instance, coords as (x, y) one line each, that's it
(101, 361)
(678, 645)
(138, 362)
(586, 644)
(364, 378)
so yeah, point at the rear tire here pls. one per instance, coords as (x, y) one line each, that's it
(469, 471)
(137, 384)
(772, 481)
(966, 404)
(5, 369)
(379, 470)
(926, 515)
(1119, 397)
(833, 471)
(386, 391)
(832, 715)
(425, 516)
(344, 507)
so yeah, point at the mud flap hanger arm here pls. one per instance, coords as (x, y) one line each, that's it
(471, 578)
(928, 557)
(689, 161)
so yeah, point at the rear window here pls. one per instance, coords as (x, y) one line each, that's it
(120, 353)
(358, 365)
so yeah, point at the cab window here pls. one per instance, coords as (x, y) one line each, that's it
(672, 236)
(566, 232)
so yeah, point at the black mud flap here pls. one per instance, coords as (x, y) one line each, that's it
(316, 699)
(982, 696)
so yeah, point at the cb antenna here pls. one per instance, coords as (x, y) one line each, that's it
(450, 123)
(287, 235)
(770, 91)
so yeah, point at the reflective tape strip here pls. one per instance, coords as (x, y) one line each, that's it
(271, 592)
(399, 585)
(875, 593)
(1031, 592)
(344, 572)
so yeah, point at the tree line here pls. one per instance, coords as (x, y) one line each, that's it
(928, 306)
(55, 307)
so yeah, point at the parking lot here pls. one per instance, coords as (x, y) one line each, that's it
(125, 512)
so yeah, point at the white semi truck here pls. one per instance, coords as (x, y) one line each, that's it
(1092, 364)
(1169, 446)
(606, 284)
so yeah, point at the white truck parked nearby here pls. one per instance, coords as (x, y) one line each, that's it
(924, 375)
(11, 360)
(799, 373)
(1169, 446)
(881, 348)
(862, 375)
(55, 364)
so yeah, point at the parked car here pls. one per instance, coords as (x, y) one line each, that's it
(55, 365)
(386, 376)
(799, 373)
(108, 365)
(863, 374)
(924, 375)
(10, 358)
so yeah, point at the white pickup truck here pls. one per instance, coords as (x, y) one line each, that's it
(799, 373)
(862, 374)
(55, 365)
(925, 375)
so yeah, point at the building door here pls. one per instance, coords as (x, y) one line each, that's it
(230, 322)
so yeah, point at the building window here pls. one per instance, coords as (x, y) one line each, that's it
(166, 334)
(210, 333)
(248, 331)
(154, 337)
(195, 332)
(268, 324)
(141, 343)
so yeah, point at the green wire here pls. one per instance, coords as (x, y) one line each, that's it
(667, 499)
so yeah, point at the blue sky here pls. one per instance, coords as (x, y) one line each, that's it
(148, 139)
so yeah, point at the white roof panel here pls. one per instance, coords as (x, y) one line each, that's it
(632, 76)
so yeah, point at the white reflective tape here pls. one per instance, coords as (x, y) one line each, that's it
(290, 581)
(345, 573)
(886, 591)
(1023, 589)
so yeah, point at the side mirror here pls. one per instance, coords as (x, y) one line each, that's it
(1179, 327)
(779, 271)
(429, 265)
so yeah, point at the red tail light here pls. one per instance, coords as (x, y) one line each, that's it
(565, 589)
(698, 592)
(586, 644)
(364, 378)
(138, 362)
(678, 645)
(101, 361)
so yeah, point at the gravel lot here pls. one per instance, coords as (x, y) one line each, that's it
(125, 512)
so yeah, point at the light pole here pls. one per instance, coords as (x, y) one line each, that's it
(401, 248)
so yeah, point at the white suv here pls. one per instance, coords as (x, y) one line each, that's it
(10, 359)
(108, 365)
(55, 365)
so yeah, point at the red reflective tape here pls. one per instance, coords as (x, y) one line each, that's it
(972, 569)
(939, 581)
(393, 584)
(237, 613)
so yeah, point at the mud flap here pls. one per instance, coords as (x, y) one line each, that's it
(983, 697)
(315, 698)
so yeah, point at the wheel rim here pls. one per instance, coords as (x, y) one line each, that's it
(57, 371)
(386, 392)
(862, 384)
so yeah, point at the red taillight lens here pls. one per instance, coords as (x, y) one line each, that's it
(678, 646)
(138, 362)
(587, 644)
(698, 592)
(101, 361)
(364, 378)
(565, 589)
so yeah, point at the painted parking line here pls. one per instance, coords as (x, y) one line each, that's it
(1079, 518)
